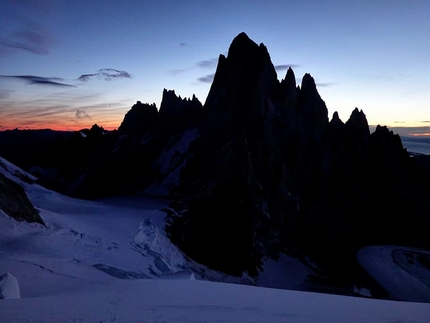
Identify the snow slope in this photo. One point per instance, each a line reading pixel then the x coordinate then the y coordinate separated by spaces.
pixel 110 261
pixel 403 272
pixel 201 301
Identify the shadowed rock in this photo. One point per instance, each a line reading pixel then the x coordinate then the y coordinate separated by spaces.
pixel 15 203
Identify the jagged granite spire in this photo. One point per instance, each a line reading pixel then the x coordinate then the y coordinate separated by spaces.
pixel 139 120
pixel 358 124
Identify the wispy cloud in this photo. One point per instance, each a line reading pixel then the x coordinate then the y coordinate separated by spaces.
pixel 209 63
pixel 80 114
pixel 206 79
pixel 34 39
pixel 24 26
pixel 183 44
pixel 284 67
pixel 177 71
pixel 325 84
pixel 39 80
pixel 107 74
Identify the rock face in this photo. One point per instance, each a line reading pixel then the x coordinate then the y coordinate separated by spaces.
pixel 9 287
pixel 270 173
pixel 15 203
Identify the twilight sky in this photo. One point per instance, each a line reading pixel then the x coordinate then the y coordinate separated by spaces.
pixel 69 64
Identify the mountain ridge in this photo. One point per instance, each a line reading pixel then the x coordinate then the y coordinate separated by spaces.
pixel 259 167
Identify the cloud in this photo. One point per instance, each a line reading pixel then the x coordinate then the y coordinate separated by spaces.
pixel 183 44
pixel 280 68
pixel 325 84
pixel 24 26
pixel 425 121
pixel 107 74
pixel 399 122
pixel 209 63
pixel 206 79
pixel 177 71
pixel 33 39
pixel 80 114
pixel 39 80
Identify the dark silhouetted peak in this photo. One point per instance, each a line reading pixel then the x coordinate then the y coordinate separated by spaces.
pixel 169 97
pixel 290 77
pixel 96 130
pixel 288 97
pixel 246 54
pixel 242 84
pixel 357 124
pixel 335 120
pixel 312 109
pixel 240 45
pixel 289 82
pixel 308 83
pixel 387 140
pixel 139 120
pixel 170 103
pixel 177 114
pixel 387 151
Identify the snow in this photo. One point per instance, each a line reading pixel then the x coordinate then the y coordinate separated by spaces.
pixel 285 273
pixel 170 163
pixel 9 287
pixel 389 266
pixel 201 301
pixel 110 261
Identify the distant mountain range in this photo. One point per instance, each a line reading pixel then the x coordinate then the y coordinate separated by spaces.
pixel 257 170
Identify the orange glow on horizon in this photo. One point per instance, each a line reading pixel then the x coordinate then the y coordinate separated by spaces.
pixel 423 134
pixel 56 127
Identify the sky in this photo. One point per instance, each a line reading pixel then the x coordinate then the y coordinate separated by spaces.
pixel 67 65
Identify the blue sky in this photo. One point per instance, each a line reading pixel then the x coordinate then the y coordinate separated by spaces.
pixel 367 54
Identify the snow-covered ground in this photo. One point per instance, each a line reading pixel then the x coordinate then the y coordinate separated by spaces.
pixel 403 272
pixel 110 261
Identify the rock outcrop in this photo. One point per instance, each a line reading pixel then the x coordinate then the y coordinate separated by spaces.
pixel 15 203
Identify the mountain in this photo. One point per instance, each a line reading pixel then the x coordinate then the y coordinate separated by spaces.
pixel 270 165
pixel 257 171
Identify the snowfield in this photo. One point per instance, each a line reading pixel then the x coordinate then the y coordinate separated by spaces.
pixel 110 261
pixel 403 272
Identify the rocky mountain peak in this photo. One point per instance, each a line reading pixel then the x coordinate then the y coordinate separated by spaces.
pixel 171 103
pixel 357 123
pixel 335 120
pixel 290 78
pixel 308 83
pixel 241 45
pixel 139 120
